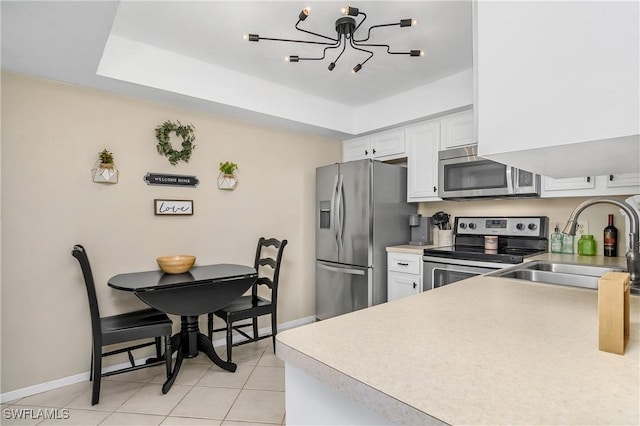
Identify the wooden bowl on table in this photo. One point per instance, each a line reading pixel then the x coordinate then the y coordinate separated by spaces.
pixel 177 264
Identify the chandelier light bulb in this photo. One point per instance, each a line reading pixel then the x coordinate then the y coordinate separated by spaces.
pixel 245 36
pixel 351 11
pixel 304 13
pixel 414 22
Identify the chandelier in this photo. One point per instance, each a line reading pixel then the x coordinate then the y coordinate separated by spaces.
pixel 346 28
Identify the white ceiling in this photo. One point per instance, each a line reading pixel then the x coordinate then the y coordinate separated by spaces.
pixel 192 54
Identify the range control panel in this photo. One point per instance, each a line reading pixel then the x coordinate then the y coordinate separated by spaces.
pixel 521 226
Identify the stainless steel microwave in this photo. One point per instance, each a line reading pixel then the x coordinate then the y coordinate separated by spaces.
pixel 462 174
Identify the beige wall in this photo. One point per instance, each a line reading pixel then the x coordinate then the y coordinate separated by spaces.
pixel 51 135
pixel 557 209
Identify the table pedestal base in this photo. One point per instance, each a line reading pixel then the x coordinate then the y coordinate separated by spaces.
pixel 188 343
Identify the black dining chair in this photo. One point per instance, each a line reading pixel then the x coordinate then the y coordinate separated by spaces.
pixel 136 325
pixel 253 306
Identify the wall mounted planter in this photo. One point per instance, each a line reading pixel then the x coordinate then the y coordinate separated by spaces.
pixel 227 182
pixel 105 173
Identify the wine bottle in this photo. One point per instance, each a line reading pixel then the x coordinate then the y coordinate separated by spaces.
pixel 610 239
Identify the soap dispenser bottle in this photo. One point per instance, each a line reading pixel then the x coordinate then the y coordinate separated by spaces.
pixel 556 240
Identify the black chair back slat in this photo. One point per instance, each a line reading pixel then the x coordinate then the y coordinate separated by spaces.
pixel 264 281
pixel 267 261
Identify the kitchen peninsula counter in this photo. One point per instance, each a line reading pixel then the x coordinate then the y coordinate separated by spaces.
pixel 485 350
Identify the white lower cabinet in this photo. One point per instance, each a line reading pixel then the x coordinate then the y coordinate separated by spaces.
pixel 589 186
pixel 404 275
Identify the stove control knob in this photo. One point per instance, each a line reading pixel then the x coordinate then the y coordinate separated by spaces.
pixel 520 227
pixel 472 226
pixel 463 225
pixel 533 226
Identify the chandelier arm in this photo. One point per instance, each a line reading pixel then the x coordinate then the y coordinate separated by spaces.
pixel 381 45
pixel 298 41
pixel 376 26
pixel 324 52
pixel 361 22
pixel 344 46
pixel 315 34
pixel 363 50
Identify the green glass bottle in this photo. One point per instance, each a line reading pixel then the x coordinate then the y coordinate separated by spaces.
pixel 587 245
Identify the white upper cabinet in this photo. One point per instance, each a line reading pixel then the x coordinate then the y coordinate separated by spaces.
pixel 389 145
pixel 356 149
pixel 557 87
pixel 423 141
pixel 457 130
pixel 589 186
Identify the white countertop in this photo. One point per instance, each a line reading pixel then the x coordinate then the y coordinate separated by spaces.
pixel 481 351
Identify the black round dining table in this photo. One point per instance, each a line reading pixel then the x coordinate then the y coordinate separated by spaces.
pixel 201 290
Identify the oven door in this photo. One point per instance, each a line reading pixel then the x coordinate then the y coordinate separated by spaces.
pixel 440 273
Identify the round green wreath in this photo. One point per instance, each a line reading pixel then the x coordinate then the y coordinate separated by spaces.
pixel 163 133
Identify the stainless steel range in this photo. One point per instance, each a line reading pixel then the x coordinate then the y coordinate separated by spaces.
pixel 518 237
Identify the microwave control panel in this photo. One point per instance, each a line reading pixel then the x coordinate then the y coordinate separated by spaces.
pixel 521 226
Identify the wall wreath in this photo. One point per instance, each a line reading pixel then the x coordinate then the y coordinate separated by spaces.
pixel 163 134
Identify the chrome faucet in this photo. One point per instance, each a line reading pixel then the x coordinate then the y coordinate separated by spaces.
pixel 633 254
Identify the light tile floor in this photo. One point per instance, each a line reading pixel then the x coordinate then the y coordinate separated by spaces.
pixel 203 394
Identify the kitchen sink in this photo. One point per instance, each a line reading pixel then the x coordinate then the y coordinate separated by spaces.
pixel 585 276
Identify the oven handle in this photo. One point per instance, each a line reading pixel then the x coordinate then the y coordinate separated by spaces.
pixel 463 262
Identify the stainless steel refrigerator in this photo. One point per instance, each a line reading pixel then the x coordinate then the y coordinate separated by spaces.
pixel 361 208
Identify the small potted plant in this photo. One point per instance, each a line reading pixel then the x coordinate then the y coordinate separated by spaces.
pixel 227 178
pixel 105 171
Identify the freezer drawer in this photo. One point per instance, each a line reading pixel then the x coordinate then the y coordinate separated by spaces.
pixel 341 289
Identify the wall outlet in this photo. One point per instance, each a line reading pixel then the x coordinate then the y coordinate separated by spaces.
pixel 582 229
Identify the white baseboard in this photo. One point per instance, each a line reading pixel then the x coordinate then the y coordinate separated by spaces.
pixel 77 378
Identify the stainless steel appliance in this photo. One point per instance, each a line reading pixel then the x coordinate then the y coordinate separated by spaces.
pixel 361 208
pixel 462 174
pixel 421 234
pixel 518 237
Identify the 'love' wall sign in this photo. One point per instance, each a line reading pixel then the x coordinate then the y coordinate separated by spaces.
pixel 173 207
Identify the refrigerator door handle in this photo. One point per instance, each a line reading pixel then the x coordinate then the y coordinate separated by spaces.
pixel 339 211
pixel 341 270
pixel 333 215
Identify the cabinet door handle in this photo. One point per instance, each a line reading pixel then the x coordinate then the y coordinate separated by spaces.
pixel 374 150
pixel 366 152
pixel 403 264
pixel 415 285
pixel 435 189
pixel 610 177
pixel 588 178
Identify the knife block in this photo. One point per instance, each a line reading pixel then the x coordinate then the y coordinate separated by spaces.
pixel 613 312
